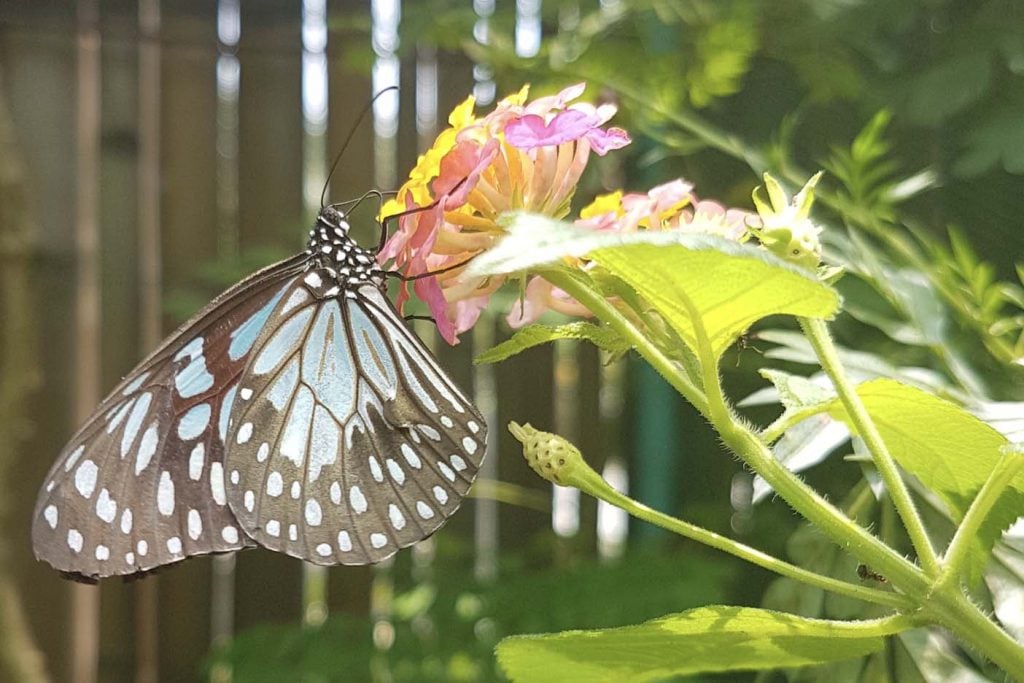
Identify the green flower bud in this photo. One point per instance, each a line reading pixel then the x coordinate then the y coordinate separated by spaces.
pixel 551 456
pixel 786 230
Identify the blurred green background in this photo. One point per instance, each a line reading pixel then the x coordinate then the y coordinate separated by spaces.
pixel 151 153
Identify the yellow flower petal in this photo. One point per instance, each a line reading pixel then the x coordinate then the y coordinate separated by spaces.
pixel 602 204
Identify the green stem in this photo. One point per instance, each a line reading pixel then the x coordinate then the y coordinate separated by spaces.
pixel 953 610
pixel 842 530
pixel 821 341
pixel 957 552
pixel 601 489
pixel 790 417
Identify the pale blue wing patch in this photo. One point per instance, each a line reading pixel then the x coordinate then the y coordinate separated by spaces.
pixel 353 443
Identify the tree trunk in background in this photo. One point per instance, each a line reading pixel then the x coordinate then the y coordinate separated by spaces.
pixel 20 660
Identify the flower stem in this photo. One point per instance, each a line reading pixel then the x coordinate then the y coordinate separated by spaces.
pixel 821 341
pixel 957 553
pixel 606 493
pixel 842 530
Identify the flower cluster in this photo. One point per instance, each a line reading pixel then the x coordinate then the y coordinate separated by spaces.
pixel 524 155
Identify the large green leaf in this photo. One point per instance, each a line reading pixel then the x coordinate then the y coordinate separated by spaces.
pixel 723 285
pixel 949 450
pixel 706 639
pixel 727 286
pixel 602 337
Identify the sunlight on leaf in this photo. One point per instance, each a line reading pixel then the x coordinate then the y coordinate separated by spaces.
pixel 706 639
pixel 602 337
pixel 951 451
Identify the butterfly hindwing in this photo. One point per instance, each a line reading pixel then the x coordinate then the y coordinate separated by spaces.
pixel 346 441
pixel 141 484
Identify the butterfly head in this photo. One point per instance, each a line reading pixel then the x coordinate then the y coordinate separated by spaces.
pixel 333 249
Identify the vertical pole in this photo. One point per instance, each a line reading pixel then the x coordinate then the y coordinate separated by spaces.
pixel 314 175
pixel 150 332
pixel 85 600
pixel 229 32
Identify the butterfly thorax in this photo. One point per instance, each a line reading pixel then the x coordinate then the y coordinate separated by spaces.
pixel 333 251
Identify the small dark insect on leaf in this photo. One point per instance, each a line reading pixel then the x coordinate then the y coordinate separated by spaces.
pixel 866 573
pixel 744 342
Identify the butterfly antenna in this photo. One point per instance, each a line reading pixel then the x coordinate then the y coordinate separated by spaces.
pixel 348 139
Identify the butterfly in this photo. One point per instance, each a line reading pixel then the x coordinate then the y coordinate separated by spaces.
pixel 295 412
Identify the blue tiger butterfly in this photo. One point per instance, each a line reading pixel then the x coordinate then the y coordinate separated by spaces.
pixel 296 412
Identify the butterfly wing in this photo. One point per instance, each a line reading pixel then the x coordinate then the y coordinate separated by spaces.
pixel 141 484
pixel 352 442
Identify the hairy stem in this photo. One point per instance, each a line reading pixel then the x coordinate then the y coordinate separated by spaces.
pixel 821 341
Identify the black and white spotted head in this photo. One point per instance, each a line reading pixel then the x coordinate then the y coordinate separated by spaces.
pixel 331 249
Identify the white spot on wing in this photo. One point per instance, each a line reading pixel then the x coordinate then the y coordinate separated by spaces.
pixel 293 532
pixel 174 545
pixel 336 493
pixel 313 513
pixel 263 452
pixel 296 431
pixel 275 484
pixel 429 432
pixel 195 524
pixel 457 462
pixel 314 280
pixel 135 383
pixel 473 426
pixel 298 297
pixel 106 507
pixel 50 515
pixel 165 494
pixel 344 541
pixel 440 494
pixel 446 471
pixel 375 470
pixel 378 540
pixel 296 489
pixel 142 548
pixel 85 478
pixel 131 427
pixel 75 540
pixel 273 528
pixel 396 517
pixel 126 521
pixel 469 445
pixel 217 483
pixel 323 550
pixel 73 457
pixel 244 433
pixel 249 499
pixel 410 456
pixel 195 461
pixel 229 534
pixel 424 510
pixel 396 471
pixel 147 447
pixel 102 553
pixel 357 500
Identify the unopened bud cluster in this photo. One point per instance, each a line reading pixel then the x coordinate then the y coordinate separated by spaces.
pixel 550 455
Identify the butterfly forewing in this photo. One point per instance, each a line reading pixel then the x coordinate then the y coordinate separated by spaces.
pixel 142 483
pixel 346 441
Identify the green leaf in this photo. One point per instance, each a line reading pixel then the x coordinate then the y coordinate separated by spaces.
pixel 949 450
pixel 727 285
pixel 720 285
pixel 706 639
pixel 795 391
pixel 602 337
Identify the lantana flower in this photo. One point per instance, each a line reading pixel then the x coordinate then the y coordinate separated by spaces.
pixel 523 155
pixel 671 206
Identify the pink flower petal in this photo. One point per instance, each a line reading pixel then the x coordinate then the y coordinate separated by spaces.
pixel 603 141
pixel 532 131
pixel 460 170
pixel 428 290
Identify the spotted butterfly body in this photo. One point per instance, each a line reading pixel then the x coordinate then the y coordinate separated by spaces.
pixel 295 412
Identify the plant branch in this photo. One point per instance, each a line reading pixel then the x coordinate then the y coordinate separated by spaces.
pixel 821 341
